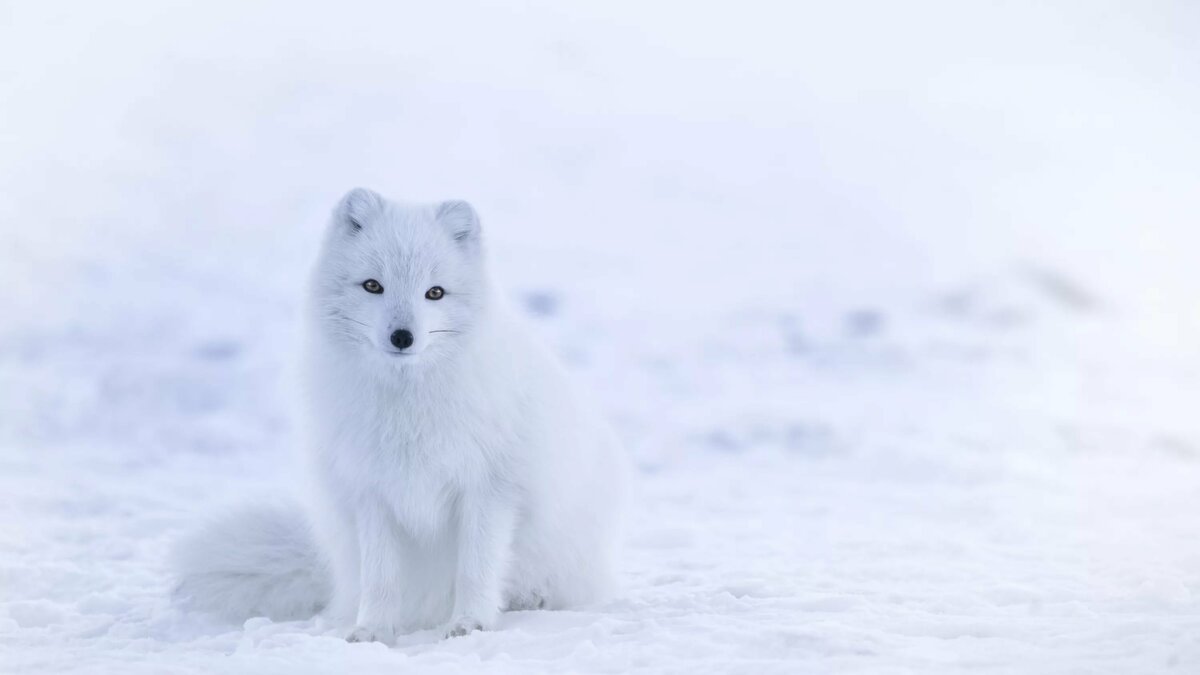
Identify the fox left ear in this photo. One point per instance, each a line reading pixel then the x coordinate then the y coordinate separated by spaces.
pixel 460 219
pixel 356 208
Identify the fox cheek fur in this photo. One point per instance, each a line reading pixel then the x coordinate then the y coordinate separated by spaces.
pixel 454 472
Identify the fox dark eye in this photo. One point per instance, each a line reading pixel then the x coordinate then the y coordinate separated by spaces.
pixel 372 286
pixel 435 293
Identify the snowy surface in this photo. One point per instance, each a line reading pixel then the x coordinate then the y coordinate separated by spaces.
pixel 895 309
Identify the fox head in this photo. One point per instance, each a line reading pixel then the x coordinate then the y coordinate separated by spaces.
pixel 402 282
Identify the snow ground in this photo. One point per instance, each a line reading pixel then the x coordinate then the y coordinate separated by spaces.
pixel 895 309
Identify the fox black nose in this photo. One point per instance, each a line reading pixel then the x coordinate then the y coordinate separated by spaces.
pixel 402 339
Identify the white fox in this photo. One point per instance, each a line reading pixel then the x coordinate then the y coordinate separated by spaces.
pixel 454 472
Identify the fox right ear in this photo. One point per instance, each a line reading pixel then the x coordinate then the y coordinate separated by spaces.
pixel 460 219
pixel 356 208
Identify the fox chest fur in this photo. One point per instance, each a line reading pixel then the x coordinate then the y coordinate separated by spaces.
pixel 416 445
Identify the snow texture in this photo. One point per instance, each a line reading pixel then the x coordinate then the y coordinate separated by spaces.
pixel 893 304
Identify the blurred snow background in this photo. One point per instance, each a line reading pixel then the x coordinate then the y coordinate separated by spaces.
pixel 894 304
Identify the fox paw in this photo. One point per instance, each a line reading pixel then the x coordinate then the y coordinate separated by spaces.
pixel 526 602
pixel 363 634
pixel 463 626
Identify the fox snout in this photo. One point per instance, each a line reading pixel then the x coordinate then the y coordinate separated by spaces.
pixel 402 338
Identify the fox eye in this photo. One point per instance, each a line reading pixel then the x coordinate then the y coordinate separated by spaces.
pixel 372 286
pixel 435 293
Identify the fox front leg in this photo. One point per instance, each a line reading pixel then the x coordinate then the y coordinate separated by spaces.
pixel 485 537
pixel 379 576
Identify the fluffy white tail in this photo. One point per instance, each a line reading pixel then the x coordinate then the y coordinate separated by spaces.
pixel 257 561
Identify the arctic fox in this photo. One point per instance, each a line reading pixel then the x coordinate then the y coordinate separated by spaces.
pixel 454 474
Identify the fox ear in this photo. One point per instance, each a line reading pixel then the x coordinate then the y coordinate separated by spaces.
pixel 460 219
pixel 356 208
